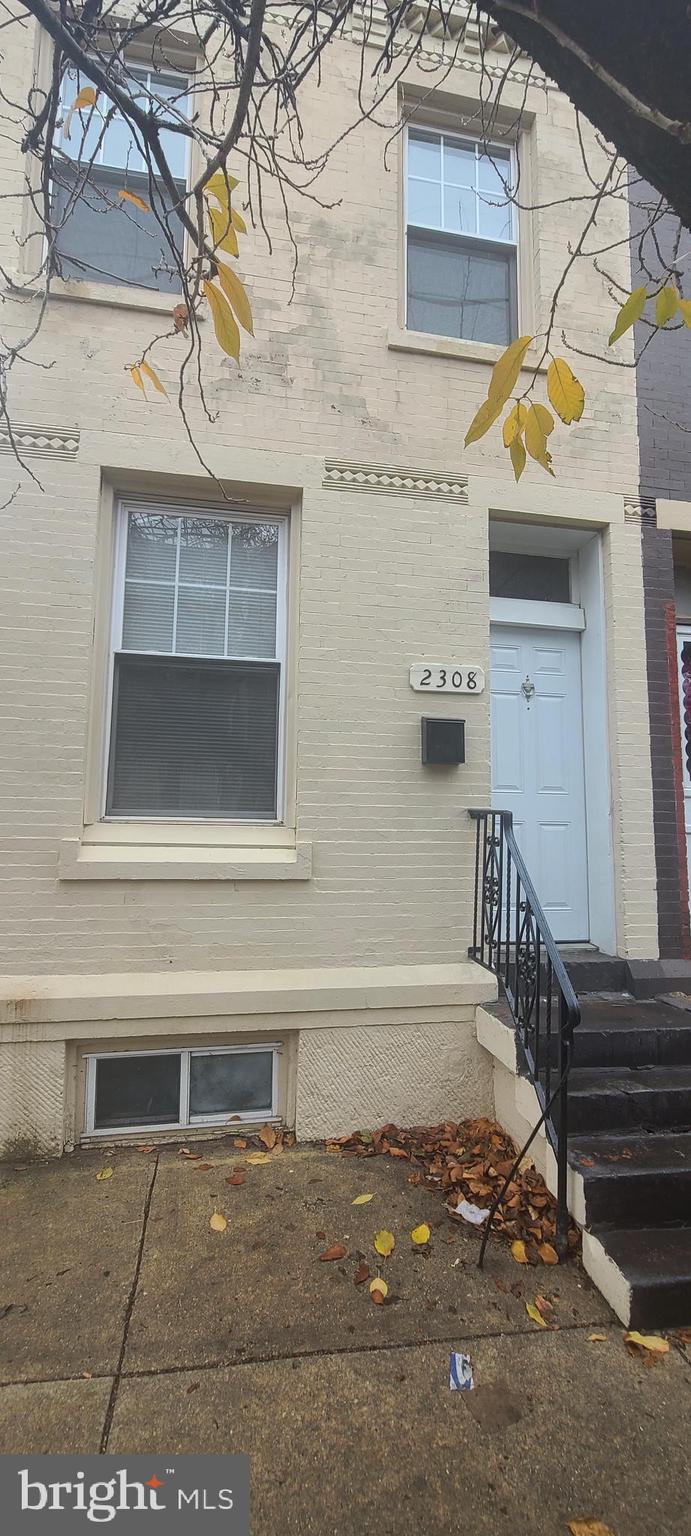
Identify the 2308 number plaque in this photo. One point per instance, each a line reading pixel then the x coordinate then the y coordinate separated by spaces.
pixel 446 677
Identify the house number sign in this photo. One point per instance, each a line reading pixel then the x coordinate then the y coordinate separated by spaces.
pixel 446 677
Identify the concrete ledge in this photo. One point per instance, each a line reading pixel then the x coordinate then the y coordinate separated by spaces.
pixel 117 861
pixel 124 996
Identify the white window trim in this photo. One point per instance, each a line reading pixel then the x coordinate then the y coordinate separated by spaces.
pixel 512 245
pixel 185 1121
pixel 232 513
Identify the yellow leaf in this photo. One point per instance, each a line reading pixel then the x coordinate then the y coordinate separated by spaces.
pixel 666 304
pixel 506 371
pixel 220 186
pixel 227 333
pixel 518 456
pixel 565 392
pixel 384 1243
pixel 519 1252
pixel 535 439
pixel 136 375
pixel 224 236
pixel 421 1234
pixel 589 1528
pixel 238 221
pixel 217 1222
pixel 597 1338
pixel 631 311
pixel 548 1254
pixel 104 1173
pixel 544 418
pixel 86 98
pixel 684 307
pixel 150 373
pixel 131 197
pixel 236 295
pixel 482 421
pixel 258 1157
pixel 650 1341
pixel 534 1314
pixel 514 424
pixel 362 1199
pixel 378 1290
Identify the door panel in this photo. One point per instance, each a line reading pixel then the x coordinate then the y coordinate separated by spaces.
pixel 537 765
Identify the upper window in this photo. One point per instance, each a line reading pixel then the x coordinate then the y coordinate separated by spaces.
pixel 461 239
pixel 198 664
pixel 538 578
pixel 107 238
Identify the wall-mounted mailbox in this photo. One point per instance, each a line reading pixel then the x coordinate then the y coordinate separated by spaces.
pixel 443 741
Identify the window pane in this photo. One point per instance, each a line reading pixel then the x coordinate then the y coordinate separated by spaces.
pixel 455 289
pixel 540 578
pixel 460 210
pixel 232 1084
pixel 204 550
pixel 459 163
pixel 424 203
pixel 424 155
pixel 147 621
pixel 251 624
pixel 137 1090
pixel 495 222
pixel 151 546
pixel 494 172
pixel 201 622
pixel 254 555
pixel 194 738
pixel 104 239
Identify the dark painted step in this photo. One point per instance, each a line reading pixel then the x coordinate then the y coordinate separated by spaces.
pixel 590 970
pixel 603 1099
pixel 626 1033
pixel 634 1180
pixel 656 1263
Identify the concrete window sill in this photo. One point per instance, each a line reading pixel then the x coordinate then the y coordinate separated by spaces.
pixel 137 861
pixel 399 340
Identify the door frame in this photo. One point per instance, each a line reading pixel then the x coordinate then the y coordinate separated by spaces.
pixel 683 635
pixel 588 616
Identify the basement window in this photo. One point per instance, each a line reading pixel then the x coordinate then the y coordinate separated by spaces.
pixel 168 1090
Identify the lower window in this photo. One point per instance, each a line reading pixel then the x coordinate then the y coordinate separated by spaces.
pixel 163 1090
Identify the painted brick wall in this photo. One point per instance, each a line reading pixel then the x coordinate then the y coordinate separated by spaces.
pixel 383 580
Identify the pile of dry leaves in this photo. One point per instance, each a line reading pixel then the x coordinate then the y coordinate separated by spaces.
pixel 469 1161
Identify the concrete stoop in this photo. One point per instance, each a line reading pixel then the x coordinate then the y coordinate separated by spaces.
pixel 629 1177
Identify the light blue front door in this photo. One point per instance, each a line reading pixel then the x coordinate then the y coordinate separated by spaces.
pixel 537 765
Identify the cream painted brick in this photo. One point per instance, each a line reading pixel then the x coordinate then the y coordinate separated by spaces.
pixel 32 1097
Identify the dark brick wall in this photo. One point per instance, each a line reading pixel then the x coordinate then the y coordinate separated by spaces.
pixel 663 378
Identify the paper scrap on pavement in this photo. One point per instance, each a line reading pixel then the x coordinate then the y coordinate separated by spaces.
pixel 460 1372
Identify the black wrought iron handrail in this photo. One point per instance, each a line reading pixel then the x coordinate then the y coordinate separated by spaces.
pixel 512 938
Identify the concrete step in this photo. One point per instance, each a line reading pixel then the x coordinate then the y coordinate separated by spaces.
pixel 604 1099
pixel 625 1033
pixel 643 1272
pixel 633 1180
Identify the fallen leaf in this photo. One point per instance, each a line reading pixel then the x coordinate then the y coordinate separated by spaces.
pixel 378 1290
pixel 597 1338
pixel 683 1335
pixel 194 1387
pixel 421 1234
pixel 548 1254
pixel 546 1311
pixel 384 1243
pixel 236 1179
pixel 239 1141
pixel 361 1273
pixel 268 1135
pixel 217 1222
pixel 146 1149
pixel 534 1314
pixel 589 1528
pixel 649 1341
pixel 204 1167
pixel 258 1157
pixel 518 1250
pixel 362 1199
pixel 104 1173
pixel 336 1251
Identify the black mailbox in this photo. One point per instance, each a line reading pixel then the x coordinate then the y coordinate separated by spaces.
pixel 443 741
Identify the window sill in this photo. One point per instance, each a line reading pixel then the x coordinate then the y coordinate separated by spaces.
pixel 109 294
pixel 84 860
pixel 447 346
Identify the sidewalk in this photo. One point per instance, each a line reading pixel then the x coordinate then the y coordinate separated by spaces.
pixel 126 1324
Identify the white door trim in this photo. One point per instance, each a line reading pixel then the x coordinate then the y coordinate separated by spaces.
pixel 535 615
